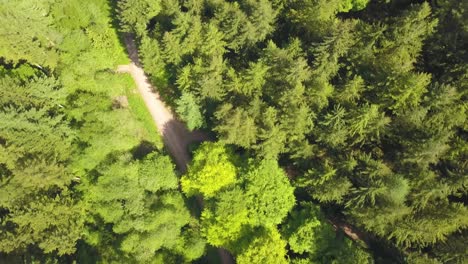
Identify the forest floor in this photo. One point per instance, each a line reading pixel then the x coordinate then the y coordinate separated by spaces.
pixel 175 135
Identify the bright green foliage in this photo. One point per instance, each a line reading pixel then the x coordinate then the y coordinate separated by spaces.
pixel 355 5
pixel 261 199
pixel 267 247
pixel 310 235
pixel 224 219
pixel 147 217
pixel 189 111
pixel 211 170
pixel 264 201
pixel 269 194
pixel 306 231
pixel 28 32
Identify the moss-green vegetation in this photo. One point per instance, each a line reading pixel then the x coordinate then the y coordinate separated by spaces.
pixel 140 112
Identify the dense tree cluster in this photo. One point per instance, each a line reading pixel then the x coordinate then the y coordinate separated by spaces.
pixel 323 110
pixel 80 178
pixel 257 200
pixel 147 212
pixel 243 215
pixel 365 99
pixel 36 147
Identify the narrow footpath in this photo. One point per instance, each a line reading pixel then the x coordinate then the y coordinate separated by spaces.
pixel 175 135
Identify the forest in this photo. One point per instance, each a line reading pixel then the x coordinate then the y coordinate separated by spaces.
pixel 337 132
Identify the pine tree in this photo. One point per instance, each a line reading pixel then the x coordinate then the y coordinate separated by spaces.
pixel 236 126
pixel 189 110
pixel 262 16
pixel 28 32
pixel 271 136
pixel 135 15
pixel 35 153
pixel 324 183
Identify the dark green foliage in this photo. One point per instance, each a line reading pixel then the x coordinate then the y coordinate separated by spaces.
pixel 363 101
pixel 35 151
pixel 238 127
pixel 70 186
pixel 266 247
pixel 367 108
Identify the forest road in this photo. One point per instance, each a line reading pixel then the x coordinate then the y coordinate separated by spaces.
pixel 175 134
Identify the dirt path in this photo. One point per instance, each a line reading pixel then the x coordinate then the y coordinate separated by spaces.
pixel 175 135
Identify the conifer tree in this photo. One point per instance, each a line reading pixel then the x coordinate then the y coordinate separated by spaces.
pixel 28 32
pixel 36 149
pixel 189 111
pixel 135 15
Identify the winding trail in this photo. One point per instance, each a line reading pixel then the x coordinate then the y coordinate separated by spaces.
pixel 175 135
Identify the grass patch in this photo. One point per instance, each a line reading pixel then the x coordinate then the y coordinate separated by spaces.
pixel 140 112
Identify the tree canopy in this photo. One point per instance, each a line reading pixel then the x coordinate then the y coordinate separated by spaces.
pixel 362 101
pixel 323 116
